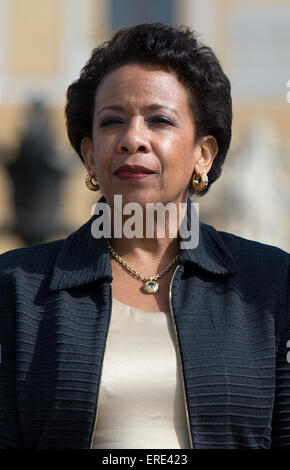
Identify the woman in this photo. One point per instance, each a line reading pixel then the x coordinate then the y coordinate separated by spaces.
pixel 121 342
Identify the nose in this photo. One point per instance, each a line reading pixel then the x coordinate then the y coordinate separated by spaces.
pixel 134 139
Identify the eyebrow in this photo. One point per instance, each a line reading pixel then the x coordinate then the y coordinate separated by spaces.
pixel 151 107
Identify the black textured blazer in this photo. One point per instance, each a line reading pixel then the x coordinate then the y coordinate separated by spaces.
pixel 231 310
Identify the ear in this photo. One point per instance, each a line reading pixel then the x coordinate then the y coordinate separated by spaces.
pixel 208 148
pixel 87 151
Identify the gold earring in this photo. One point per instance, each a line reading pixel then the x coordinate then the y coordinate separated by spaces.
pixel 90 183
pixel 199 183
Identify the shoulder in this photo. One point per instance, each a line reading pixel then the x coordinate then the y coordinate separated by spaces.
pixel 22 272
pixel 259 266
pixel 38 257
pixel 266 268
pixel 263 272
pixel 251 254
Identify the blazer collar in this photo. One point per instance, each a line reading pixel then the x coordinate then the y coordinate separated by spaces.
pixel 211 253
pixel 83 259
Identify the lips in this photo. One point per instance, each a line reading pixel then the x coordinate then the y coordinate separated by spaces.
pixel 133 171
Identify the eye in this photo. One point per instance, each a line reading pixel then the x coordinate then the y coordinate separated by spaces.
pixel 110 121
pixel 162 120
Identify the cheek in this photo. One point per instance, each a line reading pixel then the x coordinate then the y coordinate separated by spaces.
pixel 102 155
pixel 181 157
pixel 169 148
pixel 187 153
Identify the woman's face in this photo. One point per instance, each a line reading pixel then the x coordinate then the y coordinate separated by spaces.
pixel 143 145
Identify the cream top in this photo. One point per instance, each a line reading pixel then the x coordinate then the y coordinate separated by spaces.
pixel 141 400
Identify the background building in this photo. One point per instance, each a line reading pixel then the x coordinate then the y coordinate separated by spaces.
pixel 44 44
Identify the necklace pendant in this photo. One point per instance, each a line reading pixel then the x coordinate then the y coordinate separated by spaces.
pixel 151 287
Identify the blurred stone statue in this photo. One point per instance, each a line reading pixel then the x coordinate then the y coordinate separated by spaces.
pixel 37 174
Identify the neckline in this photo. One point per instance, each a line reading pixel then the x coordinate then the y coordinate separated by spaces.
pixel 135 308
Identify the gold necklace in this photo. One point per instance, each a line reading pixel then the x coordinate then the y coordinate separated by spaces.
pixel 150 285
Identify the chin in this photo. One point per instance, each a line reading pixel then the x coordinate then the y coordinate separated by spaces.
pixel 141 197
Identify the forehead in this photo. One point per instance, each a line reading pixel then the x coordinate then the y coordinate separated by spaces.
pixel 141 84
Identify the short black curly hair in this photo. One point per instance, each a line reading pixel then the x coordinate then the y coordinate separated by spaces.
pixel 173 49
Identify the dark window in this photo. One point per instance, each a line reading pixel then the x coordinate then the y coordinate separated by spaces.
pixel 130 12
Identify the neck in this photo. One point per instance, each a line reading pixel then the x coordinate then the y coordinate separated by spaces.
pixel 153 233
pixel 154 248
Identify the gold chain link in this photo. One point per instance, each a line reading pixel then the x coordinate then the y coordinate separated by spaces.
pixel 135 273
